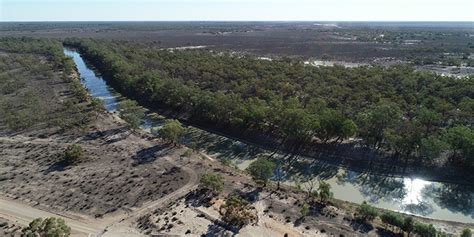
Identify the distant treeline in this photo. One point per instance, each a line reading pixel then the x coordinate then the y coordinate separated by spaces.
pixel 411 114
pixel 23 104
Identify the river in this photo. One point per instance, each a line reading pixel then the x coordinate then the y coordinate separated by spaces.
pixel 437 200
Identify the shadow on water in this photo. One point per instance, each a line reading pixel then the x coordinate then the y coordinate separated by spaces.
pixel 405 194
pixel 374 187
pixel 425 198
pixel 455 198
pixel 221 147
pixel 313 169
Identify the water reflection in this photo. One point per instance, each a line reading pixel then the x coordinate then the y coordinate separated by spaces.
pixel 410 195
pixel 413 188
pixel 414 196
pixel 417 196
pixel 453 197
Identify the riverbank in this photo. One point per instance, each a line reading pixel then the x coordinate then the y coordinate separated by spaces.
pixel 362 185
pixel 126 175
pixel 214 111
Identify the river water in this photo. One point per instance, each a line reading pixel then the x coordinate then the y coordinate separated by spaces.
pixel 435 200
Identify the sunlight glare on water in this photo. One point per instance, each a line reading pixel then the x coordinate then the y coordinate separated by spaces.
pixel 413 189
pixel 414 196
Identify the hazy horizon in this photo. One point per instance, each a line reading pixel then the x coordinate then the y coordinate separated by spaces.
pixel 237 10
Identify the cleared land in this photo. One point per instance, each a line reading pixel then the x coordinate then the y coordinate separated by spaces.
pixel 130 183
pixel 123 169
pixel 423 43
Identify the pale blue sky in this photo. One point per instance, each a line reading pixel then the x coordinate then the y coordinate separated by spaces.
pixel 237 10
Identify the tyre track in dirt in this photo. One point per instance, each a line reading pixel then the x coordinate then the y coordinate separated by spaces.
pixel 114 225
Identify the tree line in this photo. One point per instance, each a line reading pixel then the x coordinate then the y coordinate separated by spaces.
pixel 22 104
pixel 408 113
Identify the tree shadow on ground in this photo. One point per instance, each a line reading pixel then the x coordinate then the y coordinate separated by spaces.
pixel 109 136
pixel 361 227
pixel 198 198
pixel 315 213
pixel 215 229
pixel 57 167
pixel 388 233
pixel 148 155
pixel 249 196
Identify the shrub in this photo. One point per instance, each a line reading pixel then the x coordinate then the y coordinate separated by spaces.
pixel 408 224
pixel 424 230
pixel 226 161
pixel 237 212
pixel 73 154
pixel 48 227
pixel 97 106
pixel 187 153
pixel 304 210
pixel 367 212
pixel 466 233
pixel 213 183
pixel 324 191
pixel 392 218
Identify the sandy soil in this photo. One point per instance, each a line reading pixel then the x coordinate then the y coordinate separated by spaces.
pixel 133 185
pixel 124 172
pixel 278 211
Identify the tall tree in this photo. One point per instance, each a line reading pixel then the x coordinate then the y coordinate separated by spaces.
pixel 324 190
pixel 131 112
pixel 171 131
pixel 461 140
pixel 261 170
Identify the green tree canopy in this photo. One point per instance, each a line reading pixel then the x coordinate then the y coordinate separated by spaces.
pixel 304 211
pixel 393 107
pixel 408 224
pixel 466 233
pixel 237 212
pixel 324 190
pixel 424 230
pixel 131 112
pixel 73 154
pixel 392 218
pixel 431 147
pixel 172 130
pixel 212 182
pixel 461 140
pixel 367 212
pixel 375 119
pixel 49 227
pixel 261 170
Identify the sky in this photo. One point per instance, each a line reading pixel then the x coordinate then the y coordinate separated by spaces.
pixel 236 10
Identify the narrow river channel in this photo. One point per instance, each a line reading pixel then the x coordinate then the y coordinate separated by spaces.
pixel 437 200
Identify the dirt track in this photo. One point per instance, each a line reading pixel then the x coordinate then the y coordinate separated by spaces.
pixel 115 225
pixel 23 214
pixel 124 174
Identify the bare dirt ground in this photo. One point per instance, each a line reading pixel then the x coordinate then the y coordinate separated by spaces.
pixel 133 185
pixel 124 173
pixel 278 211
pixel 346 41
